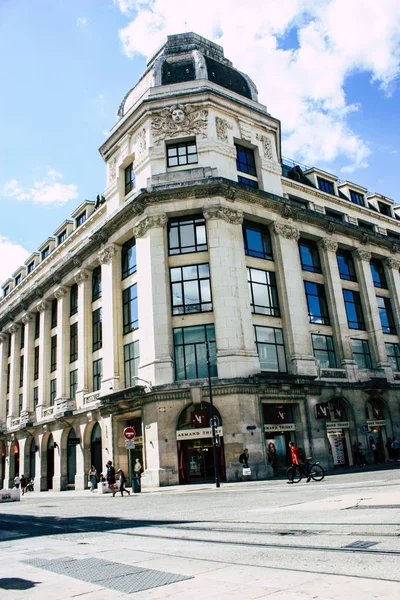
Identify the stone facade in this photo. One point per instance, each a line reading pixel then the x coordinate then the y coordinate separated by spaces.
pixel 100 333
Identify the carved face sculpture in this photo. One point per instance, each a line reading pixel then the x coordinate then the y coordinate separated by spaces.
pixel 177 115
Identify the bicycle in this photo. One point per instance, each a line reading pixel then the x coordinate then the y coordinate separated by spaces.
pixel 313 470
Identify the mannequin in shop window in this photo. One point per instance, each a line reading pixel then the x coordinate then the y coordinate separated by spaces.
pixel 272 457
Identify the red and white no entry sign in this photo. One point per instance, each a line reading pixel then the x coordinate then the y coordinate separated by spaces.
pixel 129 433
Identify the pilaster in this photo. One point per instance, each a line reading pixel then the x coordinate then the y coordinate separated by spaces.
pixel 62 342
pixel 392 266
pixel 3 376
pixel 44 355
pixel 84 335
pixel 14 373
pixel 27 403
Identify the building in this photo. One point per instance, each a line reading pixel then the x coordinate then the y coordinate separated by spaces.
pixel 204 234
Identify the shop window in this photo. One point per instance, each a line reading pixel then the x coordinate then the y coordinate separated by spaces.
pixel 316 303
pixel 324 351
pixel 131 362
pixel 73 383
pixel 97 374
pixel 187 234
pixel 53 391
pixel 263 292
pixel 130 179
pixel 190 352
pixel 378 273
pixel 36 363
pixel 54 309
pixel 354 312
pixel 386 315
pixel 97 330
pixel 309 256
pixel 346 265
pixel 361 353
pixel 73 300
pixel 190 289
pixel 184 153
pixel 245 163
pixel 326 186
pixel 393 354
pixel 257 240
pixel 270 348
pixel 96 283
pixel 73 342
pixel 53 353
pixel 130 309
pixel 128 258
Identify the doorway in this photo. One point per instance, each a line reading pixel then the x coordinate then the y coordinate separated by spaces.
pixel 50 462
pixel 71 458
pixel 95 448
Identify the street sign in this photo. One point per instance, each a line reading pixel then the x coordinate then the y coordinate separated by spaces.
pixel 129 433
pixel 129 444
pixel 365 428
pixel 216 440
pixel 216 422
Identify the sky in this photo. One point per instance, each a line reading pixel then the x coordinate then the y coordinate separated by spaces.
pixel 328 69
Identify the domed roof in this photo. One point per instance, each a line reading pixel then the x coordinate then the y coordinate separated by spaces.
pixel 187 57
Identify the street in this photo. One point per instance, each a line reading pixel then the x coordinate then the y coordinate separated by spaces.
pixel 329 539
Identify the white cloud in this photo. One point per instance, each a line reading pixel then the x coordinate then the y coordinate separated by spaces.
pixel 12 256
pixel 81 22
pixel 304 87
pixel 45 191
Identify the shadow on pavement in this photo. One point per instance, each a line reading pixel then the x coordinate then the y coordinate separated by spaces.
pixel 15 583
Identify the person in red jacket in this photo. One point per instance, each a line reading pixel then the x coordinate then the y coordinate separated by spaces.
pixel 295 454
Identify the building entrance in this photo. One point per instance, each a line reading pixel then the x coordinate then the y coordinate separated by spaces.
pixel 95 448
pixel 50 462
pixel 32 459
pixel 71 458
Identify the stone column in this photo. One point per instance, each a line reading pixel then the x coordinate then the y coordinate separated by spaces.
pixel 44 355
pixel 41 464
pixel 3 376
pixel 154 311
pixel 60 462
pixel 84 333
pixel 110 260
pixel 23 459
pixel 392 266
pixel 62 342
pixel 292 299
pixel 235 338
pixel 81 476
pixel 27 390
pixel 370 309
pixel 14 373
pixel 8 478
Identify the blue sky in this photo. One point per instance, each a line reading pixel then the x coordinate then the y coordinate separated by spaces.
pixel 329 75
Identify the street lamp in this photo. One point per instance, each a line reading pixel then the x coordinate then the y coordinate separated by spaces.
pixel 215 437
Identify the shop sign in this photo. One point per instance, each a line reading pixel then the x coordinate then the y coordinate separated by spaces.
pixel 284 427
pixel 281 415
pixel 130 444
pixel 198 418
pixel 338 412
pixel 138 440
pixel 74 441
pixel 322 410
pixel 190 434
pixel 373 423
pixel 338 425
pixel 376 411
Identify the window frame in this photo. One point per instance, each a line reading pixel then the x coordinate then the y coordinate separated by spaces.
pixel 324 185
pixel 21 370
pixel 73 300
pixel 45 253
pixel 348 261
pixel 53 391
pixel 193 349
pixel 73 383
pixel 73 342
pixel 97 329
pixel 54 313
pixel 358 309
pixel 36 363
pixel 30 267
pixel 96 283
pixel 35 396
pixel 323 317
pixel 357 198
pixel 329 351
pixel 97 374
pixel 395 356
pixel 312 249
pixel 53 353
pixel 129 179
pixel 131 362
pixel 189 308
pixel 37 325
pixel 197 222
pixel 366 354
pixel 62 237
pixel 128 301
pixel 126 268
pixel 280 360
pixel 388 325
pixel 182 155
pixel 272 309
pixel 80 219
pixel 265 239
pixel 22 336
pixel 378 274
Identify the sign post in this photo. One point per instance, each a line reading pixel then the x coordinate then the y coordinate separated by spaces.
pixel 213 420
pixel 129 435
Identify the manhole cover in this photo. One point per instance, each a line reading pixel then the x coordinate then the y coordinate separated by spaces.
pixel 361 544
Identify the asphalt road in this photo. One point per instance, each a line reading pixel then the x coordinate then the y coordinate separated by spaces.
pixel 311 540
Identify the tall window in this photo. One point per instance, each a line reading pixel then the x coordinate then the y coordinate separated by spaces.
pixel 53 391
pixel 346 265
pixel 378 273
pixel 128 258
pixel 354 312
pixel 270 348
pixel 326 186
pixel 36 363
pixel 31 266
pixel 191 290
pixel 80 219
pixel 96 283
pixel 73 299
pixel 9 346
pixel 53 353
pixel 73 342
pixel 73 383
pixel 245 163
pixel 54 309
pixel 97 374
pixel 316 302
pixel 22 336
pixel 17 280
pixel 131 362
pixel 21 371
pixel 97 329
pixel 45 252
pixel 8 378
pixel 130 179
pixel 187 234
pixel 184 153
pixel 257 240
pixel 361 353
pixel 386 315
pixel 35 396
pixel 190 352
pixel 62 237
pixel 357 198
pixel 263 292
pixel 37 325
pixel 323 350
pixel 20 404
pixel 309 256
pixel 130 309
pixel 393 354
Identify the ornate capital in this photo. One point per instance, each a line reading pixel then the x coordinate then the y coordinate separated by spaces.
pixel 179 120
pixel 112 168
pixel 235 217
pixel 328 244
pixel 362 254
pixel 13 328
pixel 266 144
pixel 43 306
pixel 105 255
pixel 222 126
pixel 392 263
pixel 81 276
pixel 3 337
pixel 286 231
pixel 27 318
pixel 60 292
pixel 72 258
pixel 147 223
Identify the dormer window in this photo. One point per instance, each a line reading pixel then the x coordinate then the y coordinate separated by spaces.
pixel 130 179
pixel 384 209
pixel 357 198
pixel 31 266
pixel 81 218
pixel 62 237
pixel 6 290
pixel 184 153
pixel 326 186
pixel 17 280
pixel 45 252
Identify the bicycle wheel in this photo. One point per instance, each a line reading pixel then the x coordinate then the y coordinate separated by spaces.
pixel 317 472
pixel 294 474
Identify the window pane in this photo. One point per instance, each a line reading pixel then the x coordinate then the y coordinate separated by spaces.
pixel 194 334
pixel 205 290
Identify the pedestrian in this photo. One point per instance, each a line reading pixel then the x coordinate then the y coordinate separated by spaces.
pixel 17 481
pixel 23 484
pixel 30 485
pixel 244 459
pixel 362 454
pixel 380 451
pixel 122 482
pixel 272 457
pixel 92 478
pixel 296 461
pixel 395 449
pixel 372 447
pixel 111 476
pixel 389 449
pixel 357 453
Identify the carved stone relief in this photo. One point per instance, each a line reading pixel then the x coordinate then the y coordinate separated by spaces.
pixel 329 244
pixel 179 119
pixel 266 144
pixel 235 217
pixel 286 231
pixel 147 223
pixel 392 263
pixel 43 306
pixel 60 292
pixel 141 141
pixel 113 168
pixel 245 130
pixel 27 318
pixel 81 276
pixel 363 254
pixel 13 328
pixel 106 254
pixel 222 126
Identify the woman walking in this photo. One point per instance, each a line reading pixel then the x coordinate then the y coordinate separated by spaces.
pixel 93 478
pixel 122 482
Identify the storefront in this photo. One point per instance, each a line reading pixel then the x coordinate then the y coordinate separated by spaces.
pixel 376 440
pixel 280 429
pixel 338 433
